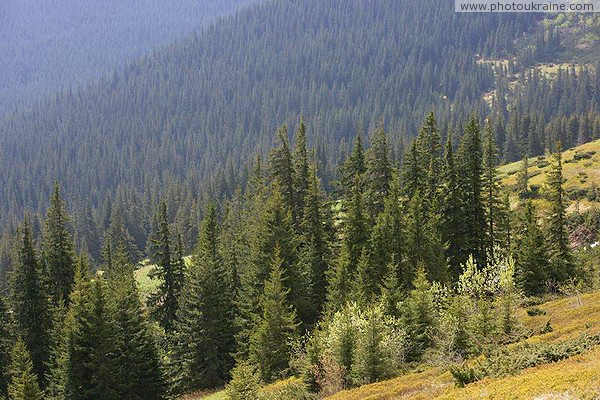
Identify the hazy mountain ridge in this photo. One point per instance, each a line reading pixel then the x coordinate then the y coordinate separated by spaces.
pixel 51 44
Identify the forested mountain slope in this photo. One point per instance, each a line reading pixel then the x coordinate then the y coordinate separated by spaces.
pixel 184 123
pixel 49 44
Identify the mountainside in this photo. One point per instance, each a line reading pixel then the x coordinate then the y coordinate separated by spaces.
pixel 581 172
pixel 184 123
pixel 50 44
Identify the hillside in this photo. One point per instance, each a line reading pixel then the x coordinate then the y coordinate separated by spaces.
pixel 189 119
pixel 581 171
pixel 47 44
pixel 575 377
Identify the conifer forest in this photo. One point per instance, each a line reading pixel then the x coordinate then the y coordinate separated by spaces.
pixel 298 199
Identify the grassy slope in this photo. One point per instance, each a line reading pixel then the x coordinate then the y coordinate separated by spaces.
pixel 579 174
pixel 147 285
pixel 576 376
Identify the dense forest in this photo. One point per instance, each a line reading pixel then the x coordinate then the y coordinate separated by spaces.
pixel 48 45
pixel 183 124
pixel 314 186
pixel 396 266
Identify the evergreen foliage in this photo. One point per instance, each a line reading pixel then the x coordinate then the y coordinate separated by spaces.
pixel 24 383
pixel 58 255
pixel 204 329
pixel 169 272
pixel 30 302
pixel 561 258
pixel 271 340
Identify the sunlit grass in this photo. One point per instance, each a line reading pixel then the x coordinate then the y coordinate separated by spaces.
pixel 576 377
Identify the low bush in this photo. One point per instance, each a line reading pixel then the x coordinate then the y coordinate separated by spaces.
pixel 507 361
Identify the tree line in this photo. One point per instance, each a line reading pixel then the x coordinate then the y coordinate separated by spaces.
pixel 342 287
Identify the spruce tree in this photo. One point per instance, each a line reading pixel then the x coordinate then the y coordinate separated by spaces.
pixel 244 383
pixel 56 376
pixel 353 166
pixel 271 340
pixel 424 243
pixel 452 212
pixel 301 172
pixel 339 281
pixel 491 193
pixel 355 226
pixel 30 302
pixel 314 251
pixel 412 172
pixel 471 174
pixel 371 363
pixel 282 170
pixel 164 302
pixel 58 254
pixel 429 149
pixel 5 347
pixel 387 240
pixel 136 353
pixel 561 258
pixel 365 286
pixel 24 382
pixel 418 316
pixel 88 362
pixel 205 331
pixel 523 179
pixel 391 291
pixel 270 229
pixel 378 175
pixel 531 254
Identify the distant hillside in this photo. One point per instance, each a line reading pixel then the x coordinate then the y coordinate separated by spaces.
pixel 49 44
pixel 581 171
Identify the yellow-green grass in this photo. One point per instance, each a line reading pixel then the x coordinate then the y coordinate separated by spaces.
pixel 266 390
pixel 146 284
pixel 579 174
pixel 577 377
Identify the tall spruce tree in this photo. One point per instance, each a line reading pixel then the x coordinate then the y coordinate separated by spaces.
pixel 205 331
pixel 452 212
pixel 491 193
pixel 356 227
pixel 301 172
pixel 424 244
pixel 354 165
pixel 136 353
pixel 58 254
pixel 339 281
pixel 523 179
pixel 561 257
pixel 418 316
pixel 164 302
pixel 271 340
pixel 412 171
pixel 88 362
pixel 281 167
pixel 471 173
pixel 30 302
pixel 430 151
pixel 387 239
pixel 5 347
pixel 531 253
pixel 378 174
pixel 314 251
pixel 24 383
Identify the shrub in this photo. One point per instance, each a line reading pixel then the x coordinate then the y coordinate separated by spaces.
pixel 533 312
pixel 507 361
pixel 244 383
